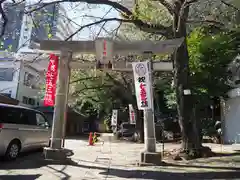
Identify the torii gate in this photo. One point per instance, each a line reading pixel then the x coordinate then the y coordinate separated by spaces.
pixel 102 47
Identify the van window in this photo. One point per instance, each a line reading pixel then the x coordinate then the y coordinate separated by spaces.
pixel 9 115
pixel 40 120
pixel 27 117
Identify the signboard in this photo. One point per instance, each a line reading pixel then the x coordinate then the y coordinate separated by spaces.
pixel 142 84
pixel 114 117
pixel 51 81
pixel 104 50
pixel 132 115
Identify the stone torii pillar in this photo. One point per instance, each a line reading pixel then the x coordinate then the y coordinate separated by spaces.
pixel 105 49
pixel 55 151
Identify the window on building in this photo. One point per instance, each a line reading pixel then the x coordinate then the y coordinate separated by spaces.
pixel 6 74
pixel 31 101
pixel 28 79
pixel 6 94
pixel 25 100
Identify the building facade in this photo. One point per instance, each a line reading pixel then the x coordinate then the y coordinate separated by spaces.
pixel 10 40
pixel 22 69
pixel 22 82
pixel 50 22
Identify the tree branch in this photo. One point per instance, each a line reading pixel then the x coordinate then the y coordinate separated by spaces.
pixel 206 21
pixel 101 28
pixel 89 88
pixel 183 11
pixel 84 79
pixel 165 31
pixel 167 5
pixel 230 5
pixel 144 26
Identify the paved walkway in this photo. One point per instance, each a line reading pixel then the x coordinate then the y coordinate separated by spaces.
pixel 115 161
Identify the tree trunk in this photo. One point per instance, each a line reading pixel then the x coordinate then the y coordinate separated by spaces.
pixel 139 120
pixel 139 125
pixel 181 78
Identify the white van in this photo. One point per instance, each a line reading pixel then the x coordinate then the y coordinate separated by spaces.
pixel 22 129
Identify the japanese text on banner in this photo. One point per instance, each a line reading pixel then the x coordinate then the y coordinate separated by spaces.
pixel 51 81
pixel 142 84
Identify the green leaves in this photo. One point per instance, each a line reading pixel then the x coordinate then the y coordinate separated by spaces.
pixel 98 92
pixel 209 58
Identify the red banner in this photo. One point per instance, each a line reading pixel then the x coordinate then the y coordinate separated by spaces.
pixel 51 81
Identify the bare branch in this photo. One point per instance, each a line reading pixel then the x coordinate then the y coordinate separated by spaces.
pixel 167 5
pixel 183 11
pixel 144 26
pixel 163 31
pixel 230 5
pixel 117 29
pixel 206 21
pixel 17 3
pixel 113 33
pixel 89 88
pixel 43 5
pixel 84 79
pixel 191 1
pixel 101 28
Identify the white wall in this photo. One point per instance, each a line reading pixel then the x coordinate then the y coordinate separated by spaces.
pixel 231 125
pixel 28 91
pixel 10 86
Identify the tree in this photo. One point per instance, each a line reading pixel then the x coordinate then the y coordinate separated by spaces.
pixel 99 92
pixel 210 57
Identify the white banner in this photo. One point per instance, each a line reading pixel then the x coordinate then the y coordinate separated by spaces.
pixel 114 117
pixel 142 84
pixel 132 115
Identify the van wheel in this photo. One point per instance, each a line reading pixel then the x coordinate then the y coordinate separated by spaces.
pixel 13 150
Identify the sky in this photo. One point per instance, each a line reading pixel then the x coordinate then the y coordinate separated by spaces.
pixel 78 12
pixel 82 14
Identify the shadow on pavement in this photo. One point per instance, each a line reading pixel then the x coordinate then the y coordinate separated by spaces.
pixel 19 177
pixel 156 175
pixel 36 161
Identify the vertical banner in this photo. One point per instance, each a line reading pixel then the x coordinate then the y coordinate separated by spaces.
pixel 114 117
pixel 132 115
pixel 142 84
pixel 51 80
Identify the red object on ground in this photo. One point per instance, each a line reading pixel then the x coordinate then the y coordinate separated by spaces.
pixel 90 140
pixel 51 81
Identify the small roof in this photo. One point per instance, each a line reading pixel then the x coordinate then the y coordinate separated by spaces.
pixel 8 100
